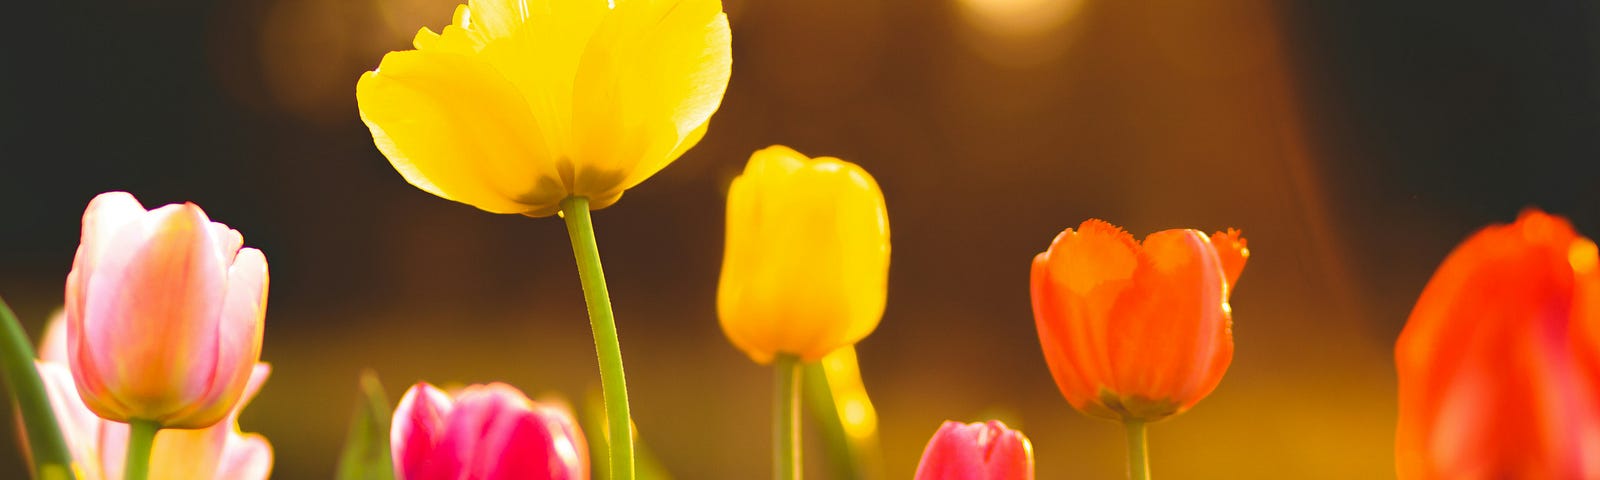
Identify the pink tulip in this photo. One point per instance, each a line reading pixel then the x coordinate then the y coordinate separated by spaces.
pixel 164 313
pixel 219 452
pixel 486 432
pixel 977 451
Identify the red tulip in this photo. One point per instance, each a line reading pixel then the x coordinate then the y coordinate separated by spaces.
pixel 486 432
pixel 164 313
pixel 1495 364
pixel 1136 331
pixel 977 451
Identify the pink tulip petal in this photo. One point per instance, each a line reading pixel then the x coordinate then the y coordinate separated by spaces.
pixel 106 215
pixel 153 305
pixel 247 457
pixel 417 428
pixel 978 451
pixel 53 345
pixel 80 428
pixel 238 340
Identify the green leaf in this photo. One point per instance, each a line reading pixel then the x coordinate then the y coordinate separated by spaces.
pixel 51 459
pixel 366 448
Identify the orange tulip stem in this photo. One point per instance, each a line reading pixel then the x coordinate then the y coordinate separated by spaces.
pixel 45 444
pixel 141 436
pixel 1138 451
pixel 786 418
pixel 613 385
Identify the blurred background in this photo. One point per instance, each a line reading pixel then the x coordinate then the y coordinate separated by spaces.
pixel 1353 142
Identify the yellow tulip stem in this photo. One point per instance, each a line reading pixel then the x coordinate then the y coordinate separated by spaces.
pixel 786 418
pixel 613 385
pixel 141 436
pixel 48 449
pixel 1138 451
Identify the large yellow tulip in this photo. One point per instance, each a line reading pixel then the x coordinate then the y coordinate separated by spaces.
pixel 806 265
pixel 519 104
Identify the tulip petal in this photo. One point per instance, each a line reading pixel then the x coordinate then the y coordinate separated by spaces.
pixel 106 214
pixel 246 457
pixel 795 221
pixel 651 76
pixel 1489 378
pixel 155 306
pixel 53 344
pixel 1169 327
pixel 417 429
pixel 978 451
pixel 80 428
pixel 455 127
pixel 1232 251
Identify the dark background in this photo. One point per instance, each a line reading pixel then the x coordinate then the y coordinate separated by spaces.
pixel 1354 142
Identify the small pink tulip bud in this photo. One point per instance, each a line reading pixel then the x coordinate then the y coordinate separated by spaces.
pixel 977 451
pixel 164 313
pixel 486 432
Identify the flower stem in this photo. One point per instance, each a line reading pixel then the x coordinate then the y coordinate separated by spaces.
pixel 613 385
pixel 49 450
pixel 141 436
pixel 1138 451
pixel 786 418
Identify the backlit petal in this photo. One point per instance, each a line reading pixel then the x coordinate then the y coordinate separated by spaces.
pixel 455 127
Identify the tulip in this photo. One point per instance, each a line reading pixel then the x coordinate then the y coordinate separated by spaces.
pixel 518 105
pixel 1136 331
pixel 164 313
pixel 1492 361
pixel 977 451
pixel 484 432
pixel 219 452
pixel 806 264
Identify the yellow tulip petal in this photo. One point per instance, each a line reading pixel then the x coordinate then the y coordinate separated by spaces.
pixel 454 127
pixel 806 264
pixel 542 61
pixel 649 81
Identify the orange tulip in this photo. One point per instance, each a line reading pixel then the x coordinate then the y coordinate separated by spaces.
pixel 1131 331
pixel 1495 366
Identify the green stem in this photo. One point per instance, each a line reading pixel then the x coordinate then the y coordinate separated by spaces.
pixel 842 455
pixel 141 436
pixel 613 385
pixel 786 419
pixel 49 450
pixel 1138 451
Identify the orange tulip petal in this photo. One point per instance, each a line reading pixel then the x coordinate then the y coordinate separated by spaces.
pixel 1232 250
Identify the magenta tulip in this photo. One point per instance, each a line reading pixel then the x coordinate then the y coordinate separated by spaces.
pixel 977 451
pixel 164 313
pixel 485 432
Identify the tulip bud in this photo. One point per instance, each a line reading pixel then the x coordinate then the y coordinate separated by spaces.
pixel 164 313
pixel 99 446
pixel 486 432
pixel 1136 331
pixel 1491 363
pixel 806 265
pixel 977 451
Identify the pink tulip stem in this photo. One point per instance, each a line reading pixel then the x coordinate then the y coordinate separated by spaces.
pixel 1138 451
pixel 613 385
pixel 786 418
pixel 141 436
pixel 48 449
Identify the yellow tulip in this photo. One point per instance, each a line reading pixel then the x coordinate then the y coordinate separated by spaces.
pixel 519 104
pixel 806 265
